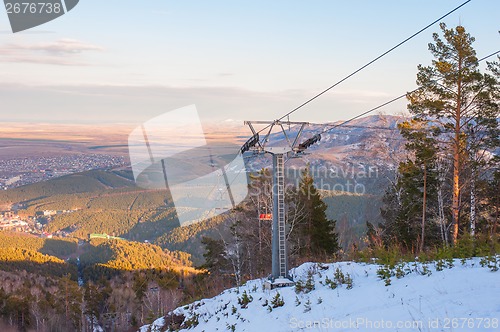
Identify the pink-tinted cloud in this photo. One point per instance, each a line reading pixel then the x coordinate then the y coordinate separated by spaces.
pixel 64 52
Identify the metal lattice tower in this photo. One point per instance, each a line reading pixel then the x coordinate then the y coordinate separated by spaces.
pixel 279 245
pixel 280 262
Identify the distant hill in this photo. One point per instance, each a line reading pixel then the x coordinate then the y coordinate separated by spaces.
pixel 352 166
pixel 19 259
pixel 351 213
pixel 110 257
pixel 101 202
pixel 87 182
pixel 58 247
pixel 125 255
pixel 368 141
pixel 32 254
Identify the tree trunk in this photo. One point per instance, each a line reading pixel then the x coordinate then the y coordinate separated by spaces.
pixel 473 203
pixel 455 208
pixel 442 220
pixel 66 299
pixel 423 209
pixel 456 194
pixel 497 212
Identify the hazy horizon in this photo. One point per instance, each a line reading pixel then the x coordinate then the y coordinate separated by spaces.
pixel 233 61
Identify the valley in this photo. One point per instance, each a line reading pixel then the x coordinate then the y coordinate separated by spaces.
pixel 107 201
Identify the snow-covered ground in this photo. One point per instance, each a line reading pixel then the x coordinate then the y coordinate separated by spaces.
pixel 425 297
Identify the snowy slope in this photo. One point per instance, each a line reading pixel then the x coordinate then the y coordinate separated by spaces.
pixel 465 297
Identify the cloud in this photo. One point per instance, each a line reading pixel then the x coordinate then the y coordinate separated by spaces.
pixel 64 52
pixel 64 46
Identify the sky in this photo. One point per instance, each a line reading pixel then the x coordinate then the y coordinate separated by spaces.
pixel 120 61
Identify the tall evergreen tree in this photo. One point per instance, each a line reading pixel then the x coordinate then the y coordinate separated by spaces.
pixel 72 306
pixel 215 256
pixel 314 230
pixel 493 194
pixel 423 145
pixel 405 214
pixel 455 94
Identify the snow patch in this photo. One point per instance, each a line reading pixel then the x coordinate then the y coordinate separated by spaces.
pixel 423 297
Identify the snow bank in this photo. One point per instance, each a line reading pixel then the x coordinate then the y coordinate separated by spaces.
pixel 425 297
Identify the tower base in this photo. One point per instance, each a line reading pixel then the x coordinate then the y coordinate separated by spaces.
pixel 278 283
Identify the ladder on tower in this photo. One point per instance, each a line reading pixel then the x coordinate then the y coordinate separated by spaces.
pixel 280 190
pixel 279 276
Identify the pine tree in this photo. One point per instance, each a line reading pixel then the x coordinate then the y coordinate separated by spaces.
pixel 423 145
pixel 411 205
pixel 215 256
pixel 454 93
pixel 402 207
pixel 72 305
pixel 493 201
pixel 317 233
pixel 95 297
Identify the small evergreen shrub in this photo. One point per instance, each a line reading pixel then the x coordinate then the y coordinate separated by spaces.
pixel 492 262
pixel 330 283
pixel 277 301
pixel 307 306
pixel 244 300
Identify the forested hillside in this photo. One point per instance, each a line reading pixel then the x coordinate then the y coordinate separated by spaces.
pixel 93 181
pixel 41 291
pixel 59 247
pixel 107 202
